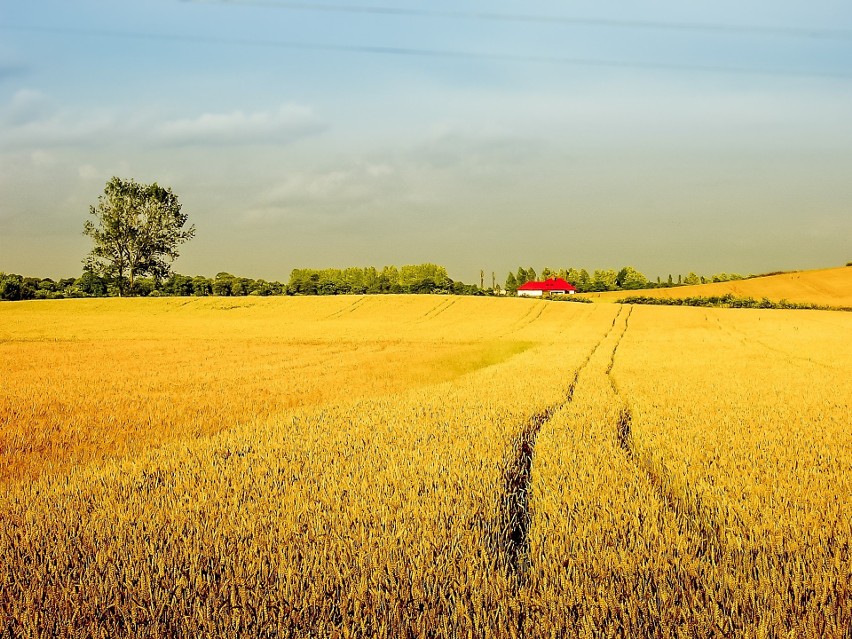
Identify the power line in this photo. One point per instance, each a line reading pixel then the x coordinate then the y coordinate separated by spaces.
pixel 424 52
pixel 657 25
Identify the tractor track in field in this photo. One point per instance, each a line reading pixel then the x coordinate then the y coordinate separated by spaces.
pixel 444 308
pixel 436 310
pixel 348 309
pixel 536 316
pixel 525 320
pixel 425 316
pixel 692 517
pixel 512 543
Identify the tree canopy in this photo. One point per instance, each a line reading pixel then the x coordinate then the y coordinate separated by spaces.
pixel 136 232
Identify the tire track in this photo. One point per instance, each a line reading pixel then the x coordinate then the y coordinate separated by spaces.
pixel 690 514
pixel 544 307
pixel 519 323
pixel 512 543
pixel 436 310
pixel 348 309
pixel 445 308
pixel 614 350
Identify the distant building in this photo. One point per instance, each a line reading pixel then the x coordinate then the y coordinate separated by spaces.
pixel 555 286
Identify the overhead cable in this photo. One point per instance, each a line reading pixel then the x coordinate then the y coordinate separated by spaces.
pixel 424 52
pixel 658 25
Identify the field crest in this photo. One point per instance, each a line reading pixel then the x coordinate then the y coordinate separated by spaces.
pixel 824 287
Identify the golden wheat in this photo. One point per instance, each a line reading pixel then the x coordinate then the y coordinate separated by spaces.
pixel 426 467
pixel 698 484
pixel 84 380
pixel 825 287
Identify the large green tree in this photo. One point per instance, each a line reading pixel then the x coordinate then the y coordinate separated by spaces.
pixel 136 231
pixel 631 279
pixel 604 280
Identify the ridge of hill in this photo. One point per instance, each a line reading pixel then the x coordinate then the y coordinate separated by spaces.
pixel 829 287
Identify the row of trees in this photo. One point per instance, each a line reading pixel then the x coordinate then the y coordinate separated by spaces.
pixel 626 279
pixel 419 278
pixel 416 278
pixel 89 284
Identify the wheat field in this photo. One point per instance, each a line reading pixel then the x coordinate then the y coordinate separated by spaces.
pixel 823 287
pixel 423 466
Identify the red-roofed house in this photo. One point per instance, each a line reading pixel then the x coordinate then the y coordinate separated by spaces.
pixel 555 286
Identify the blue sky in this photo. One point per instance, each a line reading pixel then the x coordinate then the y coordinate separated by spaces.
pixel 290 145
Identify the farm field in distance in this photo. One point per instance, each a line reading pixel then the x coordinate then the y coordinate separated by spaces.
pixel 423 466
pixel 826 287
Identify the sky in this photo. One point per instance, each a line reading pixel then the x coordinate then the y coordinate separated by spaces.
pixel 670 136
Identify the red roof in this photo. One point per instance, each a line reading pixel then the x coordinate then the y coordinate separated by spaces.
pixel 555 284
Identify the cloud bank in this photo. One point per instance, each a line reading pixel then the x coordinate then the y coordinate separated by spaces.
pixel 287 124
pixel 32 119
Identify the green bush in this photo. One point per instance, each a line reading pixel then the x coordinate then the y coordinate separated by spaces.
pixel 728 301
pixel 571 298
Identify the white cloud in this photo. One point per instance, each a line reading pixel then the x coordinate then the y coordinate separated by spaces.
pixel 88 172
pixel 61 129
pixel 26 106
pixel 344 186
pixel 350 191
pixel 287 124
pixel 31 120
pixel 42 158
pixel 379 170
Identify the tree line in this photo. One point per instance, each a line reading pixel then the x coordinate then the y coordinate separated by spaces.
pixel 415 278
pixel 412 279
pixel 409 279
pixel 625 279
